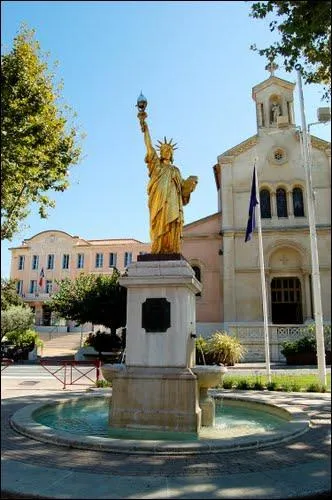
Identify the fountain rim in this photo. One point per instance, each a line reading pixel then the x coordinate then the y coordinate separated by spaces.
pixel 22 421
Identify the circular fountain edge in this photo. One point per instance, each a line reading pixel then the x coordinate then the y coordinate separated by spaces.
pixel 23 422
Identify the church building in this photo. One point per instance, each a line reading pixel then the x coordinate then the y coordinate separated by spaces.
pixel 232 263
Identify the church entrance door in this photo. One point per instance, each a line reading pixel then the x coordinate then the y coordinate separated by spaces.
pixel 286 300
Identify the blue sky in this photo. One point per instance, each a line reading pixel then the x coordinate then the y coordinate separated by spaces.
pixel 193 63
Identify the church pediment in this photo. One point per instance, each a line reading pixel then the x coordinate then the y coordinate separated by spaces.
pixel 272 81
pixel 238 149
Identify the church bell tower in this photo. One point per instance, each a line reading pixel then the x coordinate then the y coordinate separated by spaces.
pixel 274 102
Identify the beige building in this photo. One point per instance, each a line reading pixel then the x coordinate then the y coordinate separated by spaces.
pixel 228 267
pixel 54 255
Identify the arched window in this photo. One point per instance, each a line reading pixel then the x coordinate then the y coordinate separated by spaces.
pixel 298 202
pixel 281 203
pixel 197 272
pixel 265 203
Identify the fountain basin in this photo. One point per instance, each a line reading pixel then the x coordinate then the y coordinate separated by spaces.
pixel 292 424
pixel 209 375
pixel 111 370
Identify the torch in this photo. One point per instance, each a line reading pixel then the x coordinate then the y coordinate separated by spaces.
pixel 141 105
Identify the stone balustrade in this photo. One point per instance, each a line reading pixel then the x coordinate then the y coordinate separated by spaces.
pixel 252 338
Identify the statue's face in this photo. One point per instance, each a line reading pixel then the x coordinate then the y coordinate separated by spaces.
pixel 166 152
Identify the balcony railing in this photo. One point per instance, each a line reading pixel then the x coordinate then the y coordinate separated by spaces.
pixel 252 338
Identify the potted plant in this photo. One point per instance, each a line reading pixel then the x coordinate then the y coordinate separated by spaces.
pixel 218 349
pixel 311 329
pixel 300 352
pixel 104 342
pixel 303 351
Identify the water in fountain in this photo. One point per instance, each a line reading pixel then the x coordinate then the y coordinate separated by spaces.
pixel 89 417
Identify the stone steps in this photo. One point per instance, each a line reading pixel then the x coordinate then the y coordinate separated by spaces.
pixel 61 345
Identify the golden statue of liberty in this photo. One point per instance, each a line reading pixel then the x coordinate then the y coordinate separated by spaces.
pixel 167 191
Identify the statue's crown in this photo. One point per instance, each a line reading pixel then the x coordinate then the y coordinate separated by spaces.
pixel 170 144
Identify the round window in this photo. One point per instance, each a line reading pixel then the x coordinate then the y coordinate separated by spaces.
pixel 278 156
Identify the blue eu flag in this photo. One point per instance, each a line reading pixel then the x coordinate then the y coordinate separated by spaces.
pixel 252 205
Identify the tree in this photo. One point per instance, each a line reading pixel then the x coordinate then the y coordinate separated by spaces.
pixel 16 319
pixel 38 145
pixel 305 29
pixel 9 295
pixel 90 298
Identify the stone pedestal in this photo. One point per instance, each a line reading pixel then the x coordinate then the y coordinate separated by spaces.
pixel 157 389
pixel 161 297
pixel 153 398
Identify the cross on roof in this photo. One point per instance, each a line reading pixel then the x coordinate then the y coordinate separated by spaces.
pixel 271 67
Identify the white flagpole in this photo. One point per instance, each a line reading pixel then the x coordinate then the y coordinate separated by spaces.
pixel 262 269
pixel 313 241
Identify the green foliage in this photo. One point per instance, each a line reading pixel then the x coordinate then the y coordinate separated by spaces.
pixel 305 35
pixel 16 319
pixel 295 387
pixel 9 295
pixel 103 383
pixel 24 339
pixel 316 388
pixel 258 384
pixel 90 298
pixel 304 344
pixel 287 383
pixel 201 351
pixel 88 340
pixel 104 342
pixel 272 386
pixel 224 349
pixel 220 348
pixel 243 385
pixel 311 331
pixel 38 145
pixel 227 383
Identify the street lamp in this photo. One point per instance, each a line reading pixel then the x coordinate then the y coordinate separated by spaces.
pixel 313 236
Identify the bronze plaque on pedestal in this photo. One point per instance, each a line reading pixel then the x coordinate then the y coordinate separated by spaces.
pixel 156 315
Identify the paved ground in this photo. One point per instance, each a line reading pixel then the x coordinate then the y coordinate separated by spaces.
pixel 295 469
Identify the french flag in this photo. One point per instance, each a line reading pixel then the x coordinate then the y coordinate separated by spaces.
pixel 41 277
pixel 252 204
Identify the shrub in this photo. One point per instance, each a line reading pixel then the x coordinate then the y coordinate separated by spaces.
pixel 316 387
pixel 304 344
pixel 224 349
pixel 243 385
pixel 104 342
pixel 202 357
pixel 88 341
pixel 311 329
pixel 308 342
pixel 227 383
pixel 24 340
pixel 272 386
pixel 16 319
pixel 103 383
pixel 295 387
pixel 258 385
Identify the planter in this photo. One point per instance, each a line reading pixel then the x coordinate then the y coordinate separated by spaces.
pixel 306 358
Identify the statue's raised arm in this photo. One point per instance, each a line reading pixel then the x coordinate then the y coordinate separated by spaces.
pixel 142 116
